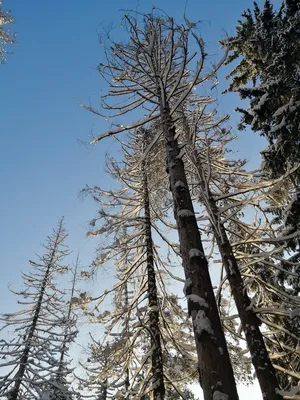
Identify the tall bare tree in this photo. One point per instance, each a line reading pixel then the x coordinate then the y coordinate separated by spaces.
pixel 32 355
pixel 206 155
pixel 153 72
pixel 128 215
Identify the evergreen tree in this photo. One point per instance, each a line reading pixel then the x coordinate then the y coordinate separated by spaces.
pixel 154 68
pixel 266 48
pixel 267 45
pixel 31 356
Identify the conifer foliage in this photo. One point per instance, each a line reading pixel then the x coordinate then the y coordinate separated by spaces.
pixel 267 43
pixel 267 74
pixel 266 52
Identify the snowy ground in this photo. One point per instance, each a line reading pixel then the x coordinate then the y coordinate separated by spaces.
pixel 245 392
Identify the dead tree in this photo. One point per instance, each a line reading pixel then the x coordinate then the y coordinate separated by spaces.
pixel 190 122
pixel 31 354
pixel 128 218
pixel 153 72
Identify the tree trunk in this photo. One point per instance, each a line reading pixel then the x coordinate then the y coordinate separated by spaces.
pixel 158 388
pixel 14 394
pixel 215 370
pixel 127 376
pixel 264 369
pixel 60 378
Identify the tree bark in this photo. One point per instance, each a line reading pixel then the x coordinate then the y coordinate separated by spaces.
pixel 127 376
pixel 264 369
pixel 215 370
pixel 158 387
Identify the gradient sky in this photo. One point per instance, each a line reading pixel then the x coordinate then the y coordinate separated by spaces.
pixel 44 163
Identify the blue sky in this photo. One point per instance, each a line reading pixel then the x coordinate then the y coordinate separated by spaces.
pixel 43 163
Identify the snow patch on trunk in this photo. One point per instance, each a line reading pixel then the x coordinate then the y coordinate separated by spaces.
pixel 220 396
pixel 197 299
pixel 196 253
pixel 202 323
pixel 180 184
pixel 185 213
pixel 231 268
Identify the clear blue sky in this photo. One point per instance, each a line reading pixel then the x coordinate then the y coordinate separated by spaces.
pixel 43 166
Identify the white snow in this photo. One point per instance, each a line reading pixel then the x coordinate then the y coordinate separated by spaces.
pixel 202 323
pixel 180 184
pixel 220 396
pixel 251 305
pixel 279 126
pixel 292 392
pixel 231 269
pixel 178 368
pixel 295 313
pixel 181 153
pixel 281 110
pixel 185 213
pixel 197 299
pixel 196 253
pixel 261 102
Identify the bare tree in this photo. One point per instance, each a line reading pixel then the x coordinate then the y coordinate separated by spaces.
pixel 128 216
pixel 158 386
pixel 58 385
pixel 207 162
pixel 6 37
pixel 38 329
pixel 153 71
pixel 267 270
